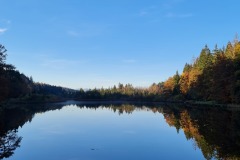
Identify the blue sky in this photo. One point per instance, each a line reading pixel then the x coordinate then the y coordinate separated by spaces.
pixel 95 43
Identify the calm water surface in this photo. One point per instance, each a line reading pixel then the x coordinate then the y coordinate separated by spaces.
pixel 74 131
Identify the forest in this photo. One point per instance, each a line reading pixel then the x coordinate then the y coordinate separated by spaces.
pixel 214 76
pixel 14 84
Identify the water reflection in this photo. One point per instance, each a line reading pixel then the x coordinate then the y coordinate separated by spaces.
pixel 215 131
pixel 8 143
pixel 11 118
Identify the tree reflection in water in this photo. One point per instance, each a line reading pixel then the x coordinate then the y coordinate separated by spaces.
pixel 215 131
pixel 8 143
pixel 11 119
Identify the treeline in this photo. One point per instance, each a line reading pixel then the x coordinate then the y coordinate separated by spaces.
pixel 14 84
pixel 121 92
pixel 213 76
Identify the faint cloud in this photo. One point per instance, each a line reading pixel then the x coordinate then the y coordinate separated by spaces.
pixel 167 9
pixel 143 13
pixel 170 6
pixel 3 30
pixel 8 21
pixel 84 32
pixel 87 30
pixel 60 63
pixel 73 33
pixel 5 21
pixel 147 11
pixel 173 15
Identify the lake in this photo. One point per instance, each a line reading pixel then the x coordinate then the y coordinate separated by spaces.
pixel 105 131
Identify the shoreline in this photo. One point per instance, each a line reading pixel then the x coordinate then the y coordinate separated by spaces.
pixel 61 100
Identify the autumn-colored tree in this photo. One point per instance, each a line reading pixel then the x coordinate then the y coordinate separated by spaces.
pixel 229 52
pixel 213 76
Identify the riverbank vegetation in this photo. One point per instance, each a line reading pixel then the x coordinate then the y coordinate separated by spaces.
pixel 213 77
pixel 14 84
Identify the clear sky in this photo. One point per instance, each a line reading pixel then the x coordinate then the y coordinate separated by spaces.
pixel 95 43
